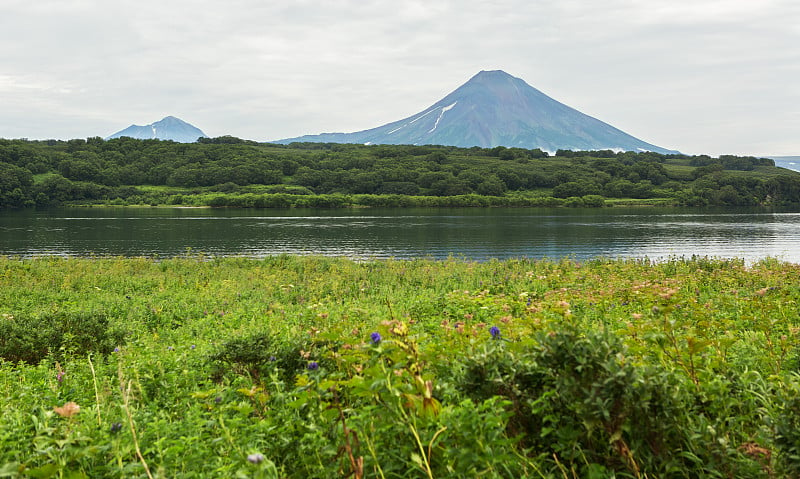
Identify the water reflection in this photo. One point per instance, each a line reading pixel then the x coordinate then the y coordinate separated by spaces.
pixel 404 233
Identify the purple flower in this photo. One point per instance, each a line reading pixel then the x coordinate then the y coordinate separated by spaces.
pixel 60 376
pixel 495 332
pixel 256 458
pixel 313 366
pixel 116 427
pixel 375 337
pixel 116 350
pixel 193 346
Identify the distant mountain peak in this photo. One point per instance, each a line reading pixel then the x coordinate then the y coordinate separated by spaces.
pixel 486 73
pixel 168 128
pixel 491 74
pixel 494 108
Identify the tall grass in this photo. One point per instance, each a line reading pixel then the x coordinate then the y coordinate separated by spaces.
pixel 325 367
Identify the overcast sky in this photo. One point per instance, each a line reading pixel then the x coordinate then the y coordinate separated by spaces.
pixel 700 76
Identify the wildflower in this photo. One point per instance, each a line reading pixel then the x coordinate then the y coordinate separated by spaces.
pixel 60 376
pixel 313 366
pixel 193 346
pixel 116 427
pixel 495 332
pixel 170 348
pixel 375 338
pixel 68 409
pixel 256 458
pixel 116 350
pixel 272 359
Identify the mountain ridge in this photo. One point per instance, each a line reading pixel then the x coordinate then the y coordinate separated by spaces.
pixel 493 109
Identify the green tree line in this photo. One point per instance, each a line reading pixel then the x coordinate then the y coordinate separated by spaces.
pixel 217 171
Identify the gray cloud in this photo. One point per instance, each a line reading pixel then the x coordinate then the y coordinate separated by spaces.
pixel 702 76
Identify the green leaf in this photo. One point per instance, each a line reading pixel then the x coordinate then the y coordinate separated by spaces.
pixel 696 345
pixel 11 469
pixel 43 472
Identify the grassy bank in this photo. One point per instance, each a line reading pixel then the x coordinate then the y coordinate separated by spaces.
pixel 323 367
pixel 336 200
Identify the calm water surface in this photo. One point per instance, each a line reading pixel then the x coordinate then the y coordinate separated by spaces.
pixel 472 233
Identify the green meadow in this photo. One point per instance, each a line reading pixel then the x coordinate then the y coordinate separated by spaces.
pixel 311 367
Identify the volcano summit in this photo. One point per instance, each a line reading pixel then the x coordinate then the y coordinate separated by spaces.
pixel 168 128
pixel 493 109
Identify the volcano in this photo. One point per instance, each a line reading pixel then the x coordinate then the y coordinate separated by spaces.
pixel 493 109
pixel 168 128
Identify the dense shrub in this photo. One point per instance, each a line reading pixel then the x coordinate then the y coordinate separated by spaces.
pixel 33 338
pixel 578 398
pixel 787 428
pixel 259 354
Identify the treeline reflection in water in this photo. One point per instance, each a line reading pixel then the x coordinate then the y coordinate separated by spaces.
pixel 470 233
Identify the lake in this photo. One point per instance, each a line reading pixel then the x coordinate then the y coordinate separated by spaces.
pixel 470 233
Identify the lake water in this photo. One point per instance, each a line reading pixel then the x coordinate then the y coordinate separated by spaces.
pixel 471 233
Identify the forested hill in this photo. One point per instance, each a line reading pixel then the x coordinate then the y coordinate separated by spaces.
pixel 230 171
